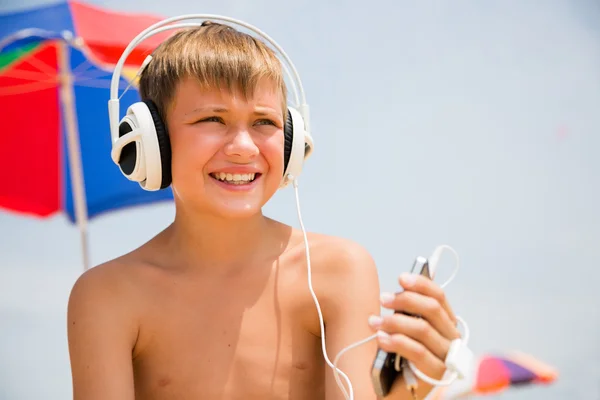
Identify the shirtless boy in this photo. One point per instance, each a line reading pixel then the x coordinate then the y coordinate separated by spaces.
pixel 217 305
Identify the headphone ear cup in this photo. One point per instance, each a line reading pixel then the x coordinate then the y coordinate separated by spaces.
pixel 288 134
pixel 128 157
pixel 294 151
pixel 164 145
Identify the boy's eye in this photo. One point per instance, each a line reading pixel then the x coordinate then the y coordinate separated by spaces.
pixel 211 119
pixel 220 120
pixel 265 122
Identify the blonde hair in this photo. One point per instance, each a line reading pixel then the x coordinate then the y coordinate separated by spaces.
pixel 218 56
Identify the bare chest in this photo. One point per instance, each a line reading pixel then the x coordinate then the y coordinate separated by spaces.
pixel 249 342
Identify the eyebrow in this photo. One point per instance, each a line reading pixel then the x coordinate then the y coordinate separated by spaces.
pixel 262 111
pixel 205 109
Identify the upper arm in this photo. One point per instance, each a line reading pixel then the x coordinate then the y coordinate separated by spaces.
pixel 101 335
pixel 352 294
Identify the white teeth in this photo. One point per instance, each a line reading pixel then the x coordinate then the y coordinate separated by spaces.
pixel 236 179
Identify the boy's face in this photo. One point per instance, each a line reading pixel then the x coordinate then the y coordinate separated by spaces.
pixel 227 150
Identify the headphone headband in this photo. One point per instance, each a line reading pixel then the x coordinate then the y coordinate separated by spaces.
pixel 113 103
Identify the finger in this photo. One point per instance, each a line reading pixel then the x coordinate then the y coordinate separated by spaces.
pixel 425 307
pixel 415 328
pixel 413 351
pixel 427 287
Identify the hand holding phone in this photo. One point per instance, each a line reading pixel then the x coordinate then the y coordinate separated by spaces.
pixel 387 367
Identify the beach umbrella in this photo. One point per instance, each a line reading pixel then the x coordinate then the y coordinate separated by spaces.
pixel 493 373
pixel 55 69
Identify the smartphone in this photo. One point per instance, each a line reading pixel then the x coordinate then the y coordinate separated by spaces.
pixel 383 371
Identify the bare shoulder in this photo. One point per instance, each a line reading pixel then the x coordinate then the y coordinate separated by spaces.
pixel 340 256
pixel 107 291
pixel 103 318
pixel 346 283
pixel 119 280
pixel 340 268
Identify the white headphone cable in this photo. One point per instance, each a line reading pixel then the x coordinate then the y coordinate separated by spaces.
pixel 349 393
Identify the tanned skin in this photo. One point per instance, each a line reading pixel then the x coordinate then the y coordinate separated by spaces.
pixel 217 305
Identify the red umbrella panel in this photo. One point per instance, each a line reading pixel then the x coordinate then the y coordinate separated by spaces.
pixel 56 63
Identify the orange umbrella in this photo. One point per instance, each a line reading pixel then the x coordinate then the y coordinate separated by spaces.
pixel 495 373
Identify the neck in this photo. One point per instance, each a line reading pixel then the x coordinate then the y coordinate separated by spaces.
pixel 209 240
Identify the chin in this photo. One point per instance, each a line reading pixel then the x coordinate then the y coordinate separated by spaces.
pixel 236 209
pixel 224 201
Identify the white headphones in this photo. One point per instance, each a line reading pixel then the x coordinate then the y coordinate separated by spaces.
pixel 140 141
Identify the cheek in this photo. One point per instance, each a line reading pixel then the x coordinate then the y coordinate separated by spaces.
pixel 272 150
pixel 191 151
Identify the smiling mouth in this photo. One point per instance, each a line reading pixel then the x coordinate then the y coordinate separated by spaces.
pixel 235 179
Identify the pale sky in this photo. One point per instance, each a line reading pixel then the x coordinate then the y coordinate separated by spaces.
pixel 475 125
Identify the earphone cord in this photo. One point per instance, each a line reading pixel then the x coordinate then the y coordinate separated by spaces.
pixel 137 74
pixel 349 392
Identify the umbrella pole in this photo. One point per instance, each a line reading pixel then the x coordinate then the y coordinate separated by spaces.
pixel 67 98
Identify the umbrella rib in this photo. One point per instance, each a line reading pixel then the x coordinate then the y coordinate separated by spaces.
pixel 81 68
pixel 42 66
pixel 98 83
pixel 96 74
pixel 28 87
pixel 83 72
pixel 26 75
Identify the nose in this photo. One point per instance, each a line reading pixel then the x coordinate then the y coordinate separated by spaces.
pixel 241 145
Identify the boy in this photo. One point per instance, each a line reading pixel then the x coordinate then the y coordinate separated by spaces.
pixel 217 305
